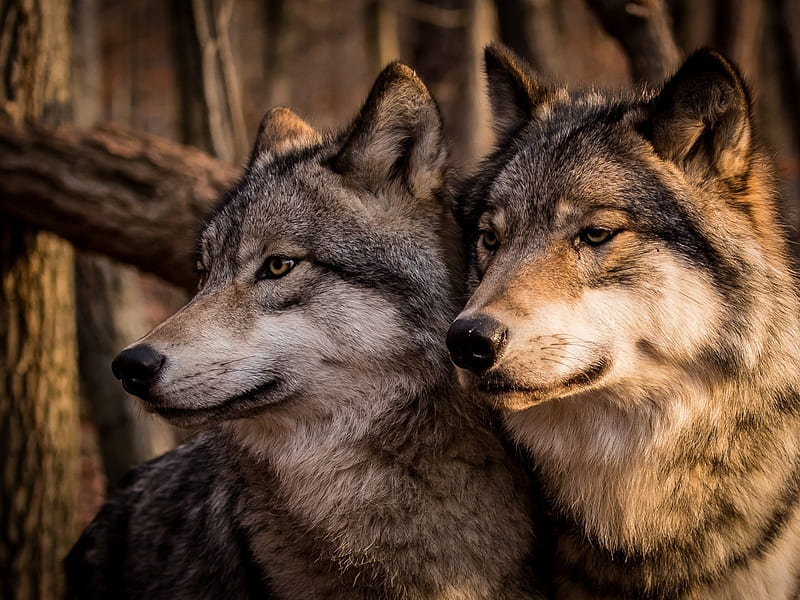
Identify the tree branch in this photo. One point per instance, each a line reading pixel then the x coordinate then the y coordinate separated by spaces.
pixel 644 29
pixel 137 198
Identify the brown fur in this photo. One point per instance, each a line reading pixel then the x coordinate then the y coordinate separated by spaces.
pixel 653 377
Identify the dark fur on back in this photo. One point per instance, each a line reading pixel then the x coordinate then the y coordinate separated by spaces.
pixel 189 496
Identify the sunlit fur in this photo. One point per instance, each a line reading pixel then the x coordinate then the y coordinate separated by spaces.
pixel 341 459
pixel 653 378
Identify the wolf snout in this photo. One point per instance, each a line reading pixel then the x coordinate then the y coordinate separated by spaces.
pixel 137 368
pixel 476 342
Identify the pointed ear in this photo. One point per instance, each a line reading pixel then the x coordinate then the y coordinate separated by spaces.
pixel 702 119
pixel 280 132
pixel 514 92
pixel 396 136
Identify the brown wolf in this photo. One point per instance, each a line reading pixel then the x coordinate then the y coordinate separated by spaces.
pixel 342 459
pixel 635 317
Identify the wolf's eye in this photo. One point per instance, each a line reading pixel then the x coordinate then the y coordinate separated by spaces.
pixel 489 240
pixel 595 236
pixel 275 267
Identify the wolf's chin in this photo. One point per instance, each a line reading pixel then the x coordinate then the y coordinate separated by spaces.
pixel 508 393
pixel 245 404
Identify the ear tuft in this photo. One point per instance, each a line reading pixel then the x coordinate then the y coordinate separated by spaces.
pixel 396 136
pixel 702 120
pixel 280 132
pixel 513 90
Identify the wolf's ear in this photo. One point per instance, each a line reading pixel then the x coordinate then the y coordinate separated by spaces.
pixel 280 132
pixel 397 135
pixel 702 119
pixel 514 92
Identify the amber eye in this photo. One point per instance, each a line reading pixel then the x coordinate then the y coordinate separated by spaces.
pixel 275 267
pixel 595 236
pixel 489 240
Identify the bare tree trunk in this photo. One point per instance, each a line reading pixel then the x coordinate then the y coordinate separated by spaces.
pixel 740 33
pixel 211 86
pixel 38 392
pixel 276 51
pixel 777 93
pixel 131 196
pixel 443 52
pixel 530 28
pixel 383 44
pixel 693 22
pixel 644 29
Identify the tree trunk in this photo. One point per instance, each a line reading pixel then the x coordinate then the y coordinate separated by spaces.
pixel 443 51
pixel 38 394
pixel 530 28
pixel 210 86
pixel 111 316
pixel 644 29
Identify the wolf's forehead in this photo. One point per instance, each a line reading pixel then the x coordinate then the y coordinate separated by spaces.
pixel 287 214
pixel 548 177
pixel 287 209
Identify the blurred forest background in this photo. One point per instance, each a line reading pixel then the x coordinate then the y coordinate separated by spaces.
pixel 121 121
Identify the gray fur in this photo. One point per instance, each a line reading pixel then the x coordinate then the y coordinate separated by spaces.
pixel 341 459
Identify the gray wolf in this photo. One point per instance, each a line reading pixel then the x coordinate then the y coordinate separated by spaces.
pixel 634 316
pixel 340 458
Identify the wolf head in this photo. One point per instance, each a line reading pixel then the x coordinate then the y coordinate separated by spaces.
pixel 325 273
pixel 617 240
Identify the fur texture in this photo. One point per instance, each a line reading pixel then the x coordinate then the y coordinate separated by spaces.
pixel 341 458
pixel 635 317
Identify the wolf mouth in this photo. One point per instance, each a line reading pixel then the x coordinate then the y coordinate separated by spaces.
pixel 240 403
pixel 498 385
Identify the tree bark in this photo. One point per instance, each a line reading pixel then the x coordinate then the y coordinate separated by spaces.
pixel 134 197
pixel 644 29
pixel 39 435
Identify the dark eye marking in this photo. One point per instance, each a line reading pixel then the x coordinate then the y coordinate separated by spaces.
pixel 202 274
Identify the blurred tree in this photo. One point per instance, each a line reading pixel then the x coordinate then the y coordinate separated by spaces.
pixel 442 48
pixel 38 380
pixel 109 300
pixel 213 113
pixel 531 29
pixel 644 29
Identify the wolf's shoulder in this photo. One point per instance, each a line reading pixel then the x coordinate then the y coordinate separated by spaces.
pixel 168 530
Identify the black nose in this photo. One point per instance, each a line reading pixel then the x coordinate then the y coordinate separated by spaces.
pixel 137 367
pixel 475 342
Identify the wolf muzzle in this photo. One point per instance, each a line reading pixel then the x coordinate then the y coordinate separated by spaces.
pixel 475 342
pixel 137 367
